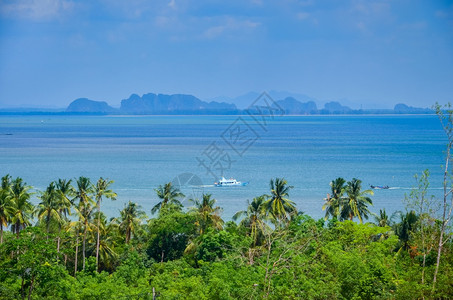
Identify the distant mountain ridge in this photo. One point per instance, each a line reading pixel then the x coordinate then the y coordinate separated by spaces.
pixel 291 106
pixel 173 104
pixel 82 105
pixel 177 104
pixel 402 108
pixel 243 101
pixel 153 104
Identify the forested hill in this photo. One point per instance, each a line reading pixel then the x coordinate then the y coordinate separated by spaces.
pixel 155 104
pixel 180 104
pixel 173 104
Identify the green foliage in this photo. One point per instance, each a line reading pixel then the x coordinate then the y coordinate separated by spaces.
pixel 30 264
pixel 214 245
pixel 334 199
pixel 169 234
pixel 405 228
pixel 208 215
pixel 6 204
pixel 347 200
pixel 194 255
pixel 363 259
pixel 21 206
pixel 254 219
pixel 168 194
pixel 130 220
pixel 278 205
pixel 133 268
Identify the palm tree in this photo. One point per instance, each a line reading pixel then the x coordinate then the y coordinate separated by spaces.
pixel 75 227
pixel 22 208
pixel 167 194
pixel 130 219
pixel 6 182
pixel 6 205
pixel 356 202
pixel 102 190
pixel 253 218
pixel 48 210
pixel 333 200
pixel 65 191
pixel 84 209
pixel 208 215
pixel 107 241
pixel 383 219
pixel 278 205
pixel 405 227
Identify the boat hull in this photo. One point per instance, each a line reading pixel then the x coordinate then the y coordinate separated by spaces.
pixel 378 187
pixel 228 185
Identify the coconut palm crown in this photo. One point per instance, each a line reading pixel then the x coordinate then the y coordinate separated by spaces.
pixel 168 194
pixel 278 205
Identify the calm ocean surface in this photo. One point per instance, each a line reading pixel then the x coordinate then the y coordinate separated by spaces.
pixel 140 153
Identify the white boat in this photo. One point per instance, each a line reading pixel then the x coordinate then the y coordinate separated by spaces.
pixel 229 182
pixel 379 187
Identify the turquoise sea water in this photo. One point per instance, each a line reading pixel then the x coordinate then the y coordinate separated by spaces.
pixel 140 153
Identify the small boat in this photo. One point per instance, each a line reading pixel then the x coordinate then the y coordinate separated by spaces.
pixel 229 182
pixel 379 187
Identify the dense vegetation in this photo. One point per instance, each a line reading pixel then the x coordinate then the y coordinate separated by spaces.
pixel 269 250
pixel 74 252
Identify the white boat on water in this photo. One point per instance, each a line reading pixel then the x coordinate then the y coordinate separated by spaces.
pixel 229 182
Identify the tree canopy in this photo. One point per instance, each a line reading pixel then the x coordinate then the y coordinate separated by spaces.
pixel 272 252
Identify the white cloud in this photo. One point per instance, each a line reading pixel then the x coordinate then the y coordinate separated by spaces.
pixel 370 13
pixel 214 31
pixel 373 8
pixel 230 25
pixel 370 16
pixel 362 27
pixel 446 13
pixel 306 3
pixel 303 15
pixel 36 9
pixel 172 4
pixel 416 26
pixel 257 2
pixel 162 21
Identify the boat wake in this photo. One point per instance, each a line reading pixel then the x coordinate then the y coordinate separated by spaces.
pixel 404 188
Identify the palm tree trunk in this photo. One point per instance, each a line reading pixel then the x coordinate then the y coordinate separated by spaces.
pixel 1 233
pixel 48 227
pixel 17 229
pixel 253 235
pixel 58 239
pixel 267 281
pixel 31 287
pixel 76 252
pixel 22 290
pixel 83 247
pixel 97 243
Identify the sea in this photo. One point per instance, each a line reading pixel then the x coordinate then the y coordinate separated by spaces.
pixel 142 152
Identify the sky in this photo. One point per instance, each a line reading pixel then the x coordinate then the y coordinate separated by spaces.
pixel 373 53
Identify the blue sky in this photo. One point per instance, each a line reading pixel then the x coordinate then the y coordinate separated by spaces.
pixel 376 53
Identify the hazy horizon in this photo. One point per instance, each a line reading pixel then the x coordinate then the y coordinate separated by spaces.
pixel 370 53
pixel 247 99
